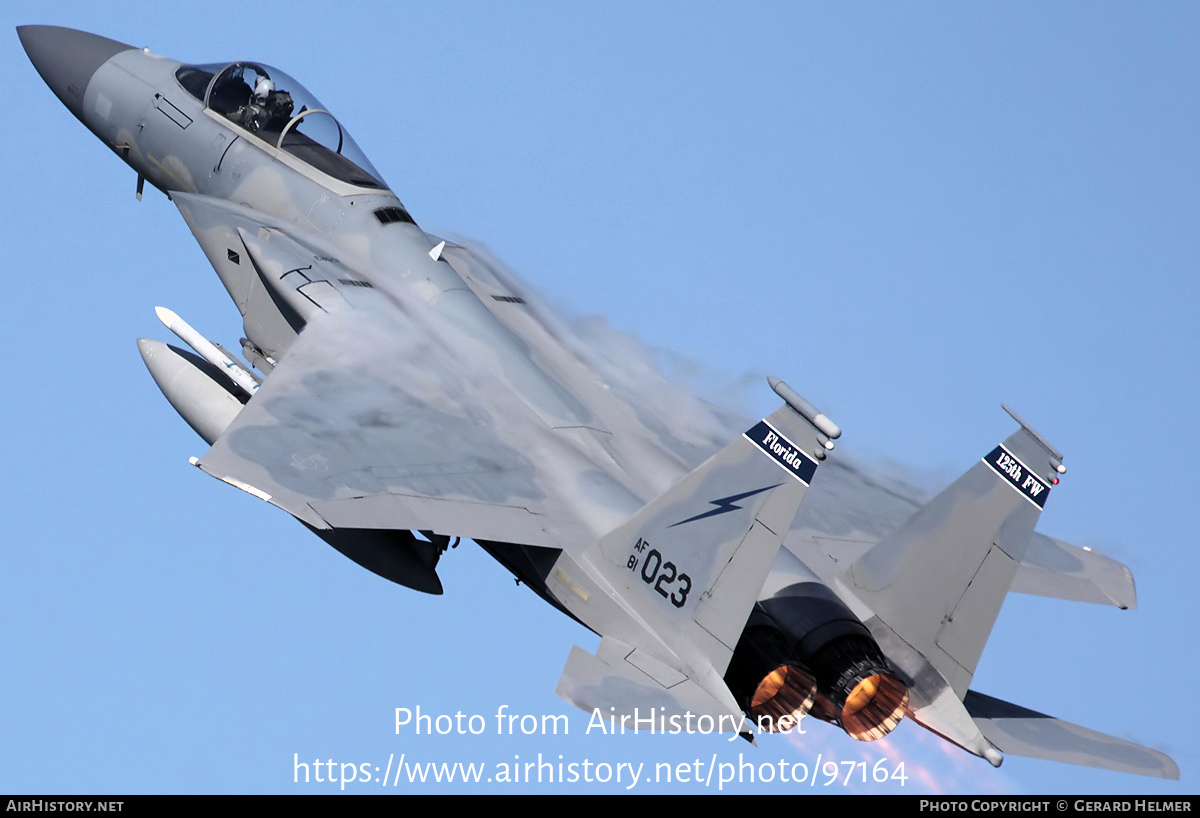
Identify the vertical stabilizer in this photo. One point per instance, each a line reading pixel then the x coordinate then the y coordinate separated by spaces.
pixel 687 568
pixel 938 582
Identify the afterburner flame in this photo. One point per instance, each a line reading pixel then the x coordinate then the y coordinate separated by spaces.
pixel 861 696
pixel 874 707
pixel 782 698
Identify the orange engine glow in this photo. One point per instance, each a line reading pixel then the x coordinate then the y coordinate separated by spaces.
pixel 874 707
pixel 782 698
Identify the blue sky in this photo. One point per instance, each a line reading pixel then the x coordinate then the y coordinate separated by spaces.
pixel 912 212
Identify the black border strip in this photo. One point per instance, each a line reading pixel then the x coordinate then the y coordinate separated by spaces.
pixel 790 457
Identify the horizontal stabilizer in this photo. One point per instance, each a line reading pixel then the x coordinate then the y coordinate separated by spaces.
pixel 616 684
pixel 1053 568
pixel 1019 731
pixel 1050 567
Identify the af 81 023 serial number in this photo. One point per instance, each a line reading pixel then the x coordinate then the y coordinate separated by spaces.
pixel 661 575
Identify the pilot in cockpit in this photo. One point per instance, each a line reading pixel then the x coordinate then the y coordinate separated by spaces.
pixel 268 109
pixel 263 89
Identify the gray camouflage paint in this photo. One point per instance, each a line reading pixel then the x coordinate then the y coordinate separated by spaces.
pixel 414 384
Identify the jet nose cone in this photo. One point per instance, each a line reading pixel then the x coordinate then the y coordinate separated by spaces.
pixel 67 59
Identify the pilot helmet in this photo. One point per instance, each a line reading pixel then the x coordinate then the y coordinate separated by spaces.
pixel 263 87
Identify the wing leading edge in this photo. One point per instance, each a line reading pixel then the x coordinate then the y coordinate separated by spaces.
pixel 365 425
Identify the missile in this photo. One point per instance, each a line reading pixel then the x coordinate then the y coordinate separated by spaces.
pixel 806 410
pixel 208 351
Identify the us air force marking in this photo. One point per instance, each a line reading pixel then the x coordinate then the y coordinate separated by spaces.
pixel 787 454
pixel 1020 476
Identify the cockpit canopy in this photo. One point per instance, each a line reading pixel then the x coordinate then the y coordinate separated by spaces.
pixel 275 108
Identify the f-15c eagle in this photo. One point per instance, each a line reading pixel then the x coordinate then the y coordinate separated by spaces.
pixel 400 392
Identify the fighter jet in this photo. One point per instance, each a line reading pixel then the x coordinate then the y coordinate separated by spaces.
pixel 401 392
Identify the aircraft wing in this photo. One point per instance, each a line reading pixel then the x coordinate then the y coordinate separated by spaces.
pixel 660 429
pixel 369 423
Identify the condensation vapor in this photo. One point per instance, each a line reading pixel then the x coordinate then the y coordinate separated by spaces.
pixel 848 497
pixel 931 766
pixel 696 411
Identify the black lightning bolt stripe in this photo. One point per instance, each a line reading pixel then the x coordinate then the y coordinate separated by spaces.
pixel 725 504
